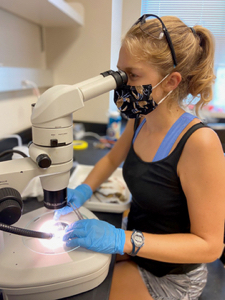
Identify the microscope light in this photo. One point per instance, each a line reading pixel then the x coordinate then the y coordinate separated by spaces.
pixel 46 223
pixel 57 229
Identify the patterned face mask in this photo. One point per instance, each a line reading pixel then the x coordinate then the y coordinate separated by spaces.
pixel 136 100
pixel 132 100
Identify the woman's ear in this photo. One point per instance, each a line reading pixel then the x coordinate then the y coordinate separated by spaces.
pixel 172 81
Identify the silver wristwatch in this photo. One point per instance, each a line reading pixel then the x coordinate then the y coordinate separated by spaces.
pixel 137 240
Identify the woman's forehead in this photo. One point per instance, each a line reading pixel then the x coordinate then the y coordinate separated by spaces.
pixel 127 59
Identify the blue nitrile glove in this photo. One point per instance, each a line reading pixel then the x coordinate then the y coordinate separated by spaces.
pixel 95 235
pixel 76 197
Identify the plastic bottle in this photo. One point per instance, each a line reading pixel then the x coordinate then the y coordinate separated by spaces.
pixel 114 126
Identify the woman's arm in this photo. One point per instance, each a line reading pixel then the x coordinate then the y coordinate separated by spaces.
pixel 111 161
pixel 202 173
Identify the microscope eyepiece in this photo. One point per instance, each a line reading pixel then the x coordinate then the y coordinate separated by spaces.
pixel 119 76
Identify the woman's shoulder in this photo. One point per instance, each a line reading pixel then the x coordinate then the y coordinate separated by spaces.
pixel 203 141
pixel 203 150
pixel 203 136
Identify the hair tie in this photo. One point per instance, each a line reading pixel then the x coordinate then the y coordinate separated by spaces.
pixel 193 31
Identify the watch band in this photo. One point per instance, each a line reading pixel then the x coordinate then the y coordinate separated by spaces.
pixel 137 240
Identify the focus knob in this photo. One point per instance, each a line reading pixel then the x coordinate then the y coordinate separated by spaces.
pixel 10 206
pixel 43 161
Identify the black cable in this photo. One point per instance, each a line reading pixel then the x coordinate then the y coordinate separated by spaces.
pixel 12 151
pixel 25 232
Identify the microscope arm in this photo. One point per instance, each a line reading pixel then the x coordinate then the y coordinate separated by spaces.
pixel 59 101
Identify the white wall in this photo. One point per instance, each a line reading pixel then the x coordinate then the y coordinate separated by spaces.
pixel 20 42
pixel 74 54
pixel 20 47
pixel 131 12
pixel 124 14
pixel 77 54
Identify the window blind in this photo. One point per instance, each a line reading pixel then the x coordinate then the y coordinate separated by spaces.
pixel 208 13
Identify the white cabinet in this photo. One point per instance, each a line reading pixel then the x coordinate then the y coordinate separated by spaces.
pixel 45 13
pixel 48 13
pixel 12 79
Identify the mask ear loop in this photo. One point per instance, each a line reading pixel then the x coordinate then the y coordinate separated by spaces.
pixel 165 97
pixel 158 85
pixel 160 82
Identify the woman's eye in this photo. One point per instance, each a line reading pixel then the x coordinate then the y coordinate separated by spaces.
pixel 133 76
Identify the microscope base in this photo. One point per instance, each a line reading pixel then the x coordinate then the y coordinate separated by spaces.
pixel 27 275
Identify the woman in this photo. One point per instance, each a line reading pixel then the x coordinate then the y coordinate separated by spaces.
pixel 174 167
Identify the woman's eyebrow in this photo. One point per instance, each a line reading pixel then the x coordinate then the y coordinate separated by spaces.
pixel 129 69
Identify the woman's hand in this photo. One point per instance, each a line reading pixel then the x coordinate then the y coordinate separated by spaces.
pixel 75 198
pixel 95 235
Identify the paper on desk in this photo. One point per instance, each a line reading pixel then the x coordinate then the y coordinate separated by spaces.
pixel 111 191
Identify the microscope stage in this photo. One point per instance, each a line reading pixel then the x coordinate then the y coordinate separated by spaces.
pixel 31 275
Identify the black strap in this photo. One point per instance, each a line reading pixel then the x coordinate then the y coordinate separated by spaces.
pixel 187 134
pixel 175 155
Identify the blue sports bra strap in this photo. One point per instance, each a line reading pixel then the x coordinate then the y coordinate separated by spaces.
pixel 138 128
pixel 172 135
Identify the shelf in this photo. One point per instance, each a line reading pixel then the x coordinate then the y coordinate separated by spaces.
pixel 47 13
pixel 11 79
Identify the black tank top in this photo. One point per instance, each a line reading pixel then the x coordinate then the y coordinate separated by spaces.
pixel 158 202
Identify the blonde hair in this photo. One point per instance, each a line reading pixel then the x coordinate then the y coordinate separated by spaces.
pixel 194 50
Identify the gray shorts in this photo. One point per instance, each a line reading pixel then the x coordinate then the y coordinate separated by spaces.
pixel 187 286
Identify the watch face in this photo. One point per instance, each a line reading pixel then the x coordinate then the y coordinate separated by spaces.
pixel 138 238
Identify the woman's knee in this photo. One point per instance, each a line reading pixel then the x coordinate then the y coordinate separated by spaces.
pixel 127 282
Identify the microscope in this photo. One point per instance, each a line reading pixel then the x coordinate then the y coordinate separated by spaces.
pixel 51 150
pixel 51 159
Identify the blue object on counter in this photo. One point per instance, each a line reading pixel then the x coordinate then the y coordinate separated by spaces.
pixel 114 126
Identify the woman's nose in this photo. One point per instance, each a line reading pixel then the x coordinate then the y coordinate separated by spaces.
pixel 129 81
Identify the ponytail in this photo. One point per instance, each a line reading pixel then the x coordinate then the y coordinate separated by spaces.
pixel 202 76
